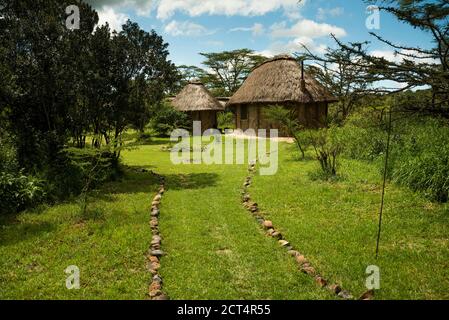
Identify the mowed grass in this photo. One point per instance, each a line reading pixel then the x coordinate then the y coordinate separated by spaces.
pixel 108 244
pixel 215 249
pixel 335 225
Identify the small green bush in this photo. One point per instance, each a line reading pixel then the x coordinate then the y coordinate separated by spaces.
pixel 166 119
pixel 18 191
pixel 75 167
pixel 327 144
pixel 364 135
pixel 225 120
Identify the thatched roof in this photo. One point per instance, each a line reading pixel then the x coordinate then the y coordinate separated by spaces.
pixel 195 97
pixel 278 80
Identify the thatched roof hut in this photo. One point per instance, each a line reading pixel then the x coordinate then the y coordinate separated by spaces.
pixel 199 103
pixel 280 81
pixel 195 97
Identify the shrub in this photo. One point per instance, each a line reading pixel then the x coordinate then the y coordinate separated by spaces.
pixel 18 191
pixel 327 145
pixel 419 153
pixel 8 153
pixel 364 135
pixel 225 120
pixel 74 168
pixel 166 119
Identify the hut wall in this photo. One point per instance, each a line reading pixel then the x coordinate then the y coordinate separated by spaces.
pixel 208 118
pixel 309 115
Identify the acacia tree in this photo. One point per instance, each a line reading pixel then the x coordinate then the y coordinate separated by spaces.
pixel 228 69
pixel 417 67
pixel 337 72
pixel 186 74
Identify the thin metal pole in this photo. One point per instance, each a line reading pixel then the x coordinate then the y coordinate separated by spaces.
pixel 384 184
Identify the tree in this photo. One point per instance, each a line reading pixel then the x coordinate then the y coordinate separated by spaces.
pixel 337 72
pixel 140 76
pixel 187 74
pixel 228 69
pixel 418 67
pixel 39 51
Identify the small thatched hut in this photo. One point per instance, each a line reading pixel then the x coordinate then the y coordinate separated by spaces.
pixel 280 81
pixel 199 104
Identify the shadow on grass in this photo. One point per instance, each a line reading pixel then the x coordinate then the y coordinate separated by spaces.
pixel 148 142
pixel 191 181
pixel 16 232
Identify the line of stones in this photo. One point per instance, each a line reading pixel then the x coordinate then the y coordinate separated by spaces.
pixel 304 265
pixel 155 253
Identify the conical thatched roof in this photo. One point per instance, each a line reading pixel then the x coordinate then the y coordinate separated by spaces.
pixel 195 97
pixel 278 80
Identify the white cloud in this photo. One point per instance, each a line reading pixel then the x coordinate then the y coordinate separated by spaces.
pixel 294 46
pixel 302 33
pixel 306 28
pixel 186 28
pixel 167 8
pixel 256 30
pixel 333 12
pixel 141 7
pixel 114 19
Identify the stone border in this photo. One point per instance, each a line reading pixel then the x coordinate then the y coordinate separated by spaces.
pixel 303 264
pixel 155 252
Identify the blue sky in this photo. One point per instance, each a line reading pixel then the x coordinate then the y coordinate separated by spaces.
pixel 266 26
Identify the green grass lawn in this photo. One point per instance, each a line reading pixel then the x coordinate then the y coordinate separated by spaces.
pixel 335 225
pixel 108 244
pixel 214 247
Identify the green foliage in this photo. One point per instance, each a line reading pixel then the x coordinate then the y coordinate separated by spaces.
pixel 420 159
pixel 78 170
pixel 288 122
pixel 364 135
pixel 18 191
pixel 166 119
pixel 8 153
pixel 228 70
pixel 225 120
pixel 328 145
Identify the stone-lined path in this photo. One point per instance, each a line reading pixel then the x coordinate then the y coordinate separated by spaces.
pixel 303 264
pixel 155 253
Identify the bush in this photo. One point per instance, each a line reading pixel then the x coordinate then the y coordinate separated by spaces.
pixel 75 168
pixel 166 119
pixel 327 144
pixel 18 191
pixel 8 153
pixel 225 120
pixel 364 135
